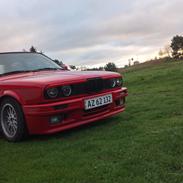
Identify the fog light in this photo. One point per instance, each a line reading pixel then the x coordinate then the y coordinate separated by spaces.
pixel 56 119
pixel 120 102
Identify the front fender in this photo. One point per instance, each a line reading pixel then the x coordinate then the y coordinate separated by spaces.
pixel 14 95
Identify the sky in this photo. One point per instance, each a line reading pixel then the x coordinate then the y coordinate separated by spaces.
pixel 90 32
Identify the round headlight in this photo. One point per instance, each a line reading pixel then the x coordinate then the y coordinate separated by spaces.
pixel 113 83
pixel 52 92
pixel 66 90
pixel 119 82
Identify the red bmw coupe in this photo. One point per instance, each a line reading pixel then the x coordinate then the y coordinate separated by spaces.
pixel 37 96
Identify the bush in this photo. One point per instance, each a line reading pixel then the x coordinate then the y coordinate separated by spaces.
pixel 111 67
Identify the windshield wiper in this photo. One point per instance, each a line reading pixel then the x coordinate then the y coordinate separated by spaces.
pixel 23 71
pixel 46 69
pixel 15 72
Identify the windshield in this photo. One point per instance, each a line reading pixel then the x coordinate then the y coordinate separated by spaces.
pixel 25 62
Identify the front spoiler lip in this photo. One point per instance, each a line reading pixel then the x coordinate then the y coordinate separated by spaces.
pixel 79 123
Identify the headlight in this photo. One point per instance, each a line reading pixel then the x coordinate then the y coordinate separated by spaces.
pixel 119 82
pixel 66 90
pixel 52 92
pixel 113 83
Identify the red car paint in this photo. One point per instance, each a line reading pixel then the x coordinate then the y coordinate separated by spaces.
pixel 28 89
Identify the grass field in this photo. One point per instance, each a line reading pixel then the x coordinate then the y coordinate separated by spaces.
pixel 143 144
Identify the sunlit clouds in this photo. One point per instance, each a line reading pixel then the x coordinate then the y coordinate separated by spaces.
pixel 90 32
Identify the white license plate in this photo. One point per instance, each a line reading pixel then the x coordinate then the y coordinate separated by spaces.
pixel 98 101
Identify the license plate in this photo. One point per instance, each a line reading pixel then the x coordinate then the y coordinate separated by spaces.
pixel 98 101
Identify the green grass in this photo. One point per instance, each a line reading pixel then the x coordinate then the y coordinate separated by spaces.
pixel 143 144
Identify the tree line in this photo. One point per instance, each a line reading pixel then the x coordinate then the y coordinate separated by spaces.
pixel 172 51
pixel 108 67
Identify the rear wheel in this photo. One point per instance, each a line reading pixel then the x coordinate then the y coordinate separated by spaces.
pixel 12 120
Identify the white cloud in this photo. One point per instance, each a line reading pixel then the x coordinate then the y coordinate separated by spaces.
pixel 90 32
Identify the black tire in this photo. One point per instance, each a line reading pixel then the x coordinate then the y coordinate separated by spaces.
pixel 12 117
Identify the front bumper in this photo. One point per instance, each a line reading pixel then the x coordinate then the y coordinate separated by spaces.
pixel 38 116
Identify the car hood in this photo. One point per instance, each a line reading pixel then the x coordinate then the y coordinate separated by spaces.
pixel 57 77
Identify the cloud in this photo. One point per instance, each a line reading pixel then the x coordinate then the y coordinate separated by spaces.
pixel 90 32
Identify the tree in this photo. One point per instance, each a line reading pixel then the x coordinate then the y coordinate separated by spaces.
pixel 177 46
pixel 57 61
pixel 101 68
pixel 33 49
pixel 167 50
pixel 161 53
pixel 72 67
pixel 111 67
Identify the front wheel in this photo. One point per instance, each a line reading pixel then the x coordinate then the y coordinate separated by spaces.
pixel 12 120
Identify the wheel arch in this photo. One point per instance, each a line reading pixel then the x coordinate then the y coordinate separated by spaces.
pixel 18 100
pixel 12 95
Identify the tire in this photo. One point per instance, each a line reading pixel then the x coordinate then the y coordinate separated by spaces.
pixel 12 122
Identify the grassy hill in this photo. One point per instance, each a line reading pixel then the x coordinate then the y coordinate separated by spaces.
pixel 144 144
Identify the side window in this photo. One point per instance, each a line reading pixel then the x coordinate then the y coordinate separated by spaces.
pixel 16 65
